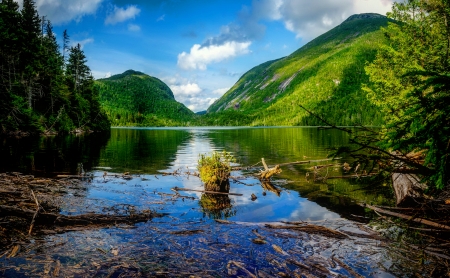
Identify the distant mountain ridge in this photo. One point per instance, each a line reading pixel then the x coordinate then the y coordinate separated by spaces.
pixel 133 98
pixel 325 76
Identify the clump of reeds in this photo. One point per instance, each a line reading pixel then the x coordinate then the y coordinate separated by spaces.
pixel 215 170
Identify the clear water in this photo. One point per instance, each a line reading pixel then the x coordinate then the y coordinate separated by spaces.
pixel 148 153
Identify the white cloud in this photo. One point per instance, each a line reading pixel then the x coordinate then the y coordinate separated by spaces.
pixel 134 27
pixel 161 18
pixel 121 14
pixel 191 94
pixel 188 89
pixel 304 18
pixel 108 74
pixel 220 92
pixel 197 104
pixel 200 56
pixel 83 42
pixel 59 12
pixel 309 19
pixel 372 6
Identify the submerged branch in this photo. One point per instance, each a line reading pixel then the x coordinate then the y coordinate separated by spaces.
pixel 408 217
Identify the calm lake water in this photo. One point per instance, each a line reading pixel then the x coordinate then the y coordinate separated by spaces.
pixel 161 247
pixel 148 152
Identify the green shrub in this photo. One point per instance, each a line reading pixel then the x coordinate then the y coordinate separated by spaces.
pixel 215 170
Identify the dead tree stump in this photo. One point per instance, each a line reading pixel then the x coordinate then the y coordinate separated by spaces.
pixel 408 189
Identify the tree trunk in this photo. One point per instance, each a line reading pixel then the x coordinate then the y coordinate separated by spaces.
pixel 408 190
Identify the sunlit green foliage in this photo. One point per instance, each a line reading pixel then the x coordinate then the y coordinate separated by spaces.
pixel 410 83
pixel 215 169
pixel 325 76
pixel 136 99
pixel 39 91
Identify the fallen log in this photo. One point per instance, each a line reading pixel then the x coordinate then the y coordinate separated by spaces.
pixel 56 219
pixel 347 267
pixel 72 177
pixel 268 172
pixel 287 163
pixel 311 229
pixel 351 176
pixel 206 191
pixel 408 217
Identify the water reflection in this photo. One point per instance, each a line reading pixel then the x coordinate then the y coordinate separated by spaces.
pixel 148 152
pixel 268 186
pixel 217 206
pixel 51 155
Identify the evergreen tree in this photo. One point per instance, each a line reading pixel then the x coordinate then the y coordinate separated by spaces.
pixel 29 57
pixel 39 92
pixel 9 64
pixel 85 108
pixel 410 82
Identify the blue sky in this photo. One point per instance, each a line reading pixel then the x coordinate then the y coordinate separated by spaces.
pixel 199 48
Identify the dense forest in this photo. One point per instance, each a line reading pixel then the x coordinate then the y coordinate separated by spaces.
pixel 410 85
pixel 133 98
pixel 43 89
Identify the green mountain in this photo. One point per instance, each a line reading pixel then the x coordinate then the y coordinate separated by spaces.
pixel 136 99
pixel 324 76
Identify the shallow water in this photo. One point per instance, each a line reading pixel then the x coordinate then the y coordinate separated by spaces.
pixel 154 248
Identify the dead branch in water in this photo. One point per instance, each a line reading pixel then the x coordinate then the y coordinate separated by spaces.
pixel 310 228
pixel 56 219
pixel 38 207
pixel 268 172
pixel 408 217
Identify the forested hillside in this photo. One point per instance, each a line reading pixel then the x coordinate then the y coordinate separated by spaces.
pixel 136 99
pixel 43 90
pixel 325 76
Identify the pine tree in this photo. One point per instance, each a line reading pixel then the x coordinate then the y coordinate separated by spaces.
pixel 31 42
pixel 410 82
pixel 39 92
pixel 10 21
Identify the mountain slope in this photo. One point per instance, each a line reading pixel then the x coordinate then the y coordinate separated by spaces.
pixel 325 76
pixel 136 99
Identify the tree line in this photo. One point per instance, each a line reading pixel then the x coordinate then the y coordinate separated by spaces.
pixel 43 89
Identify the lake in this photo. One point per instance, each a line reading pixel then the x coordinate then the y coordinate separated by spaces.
pixel 151 151
pixel 161 159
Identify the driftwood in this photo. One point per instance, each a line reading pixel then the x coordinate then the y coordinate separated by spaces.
pixel 346 267
pixel 287 163
pixel 38 207
pixel 409 218
pixel 73 177
pixel 55 219
pixel 242 267
pixel 268 172
pixel 352 176
pixel 311 229
pixel 205 191
pixel 408 189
